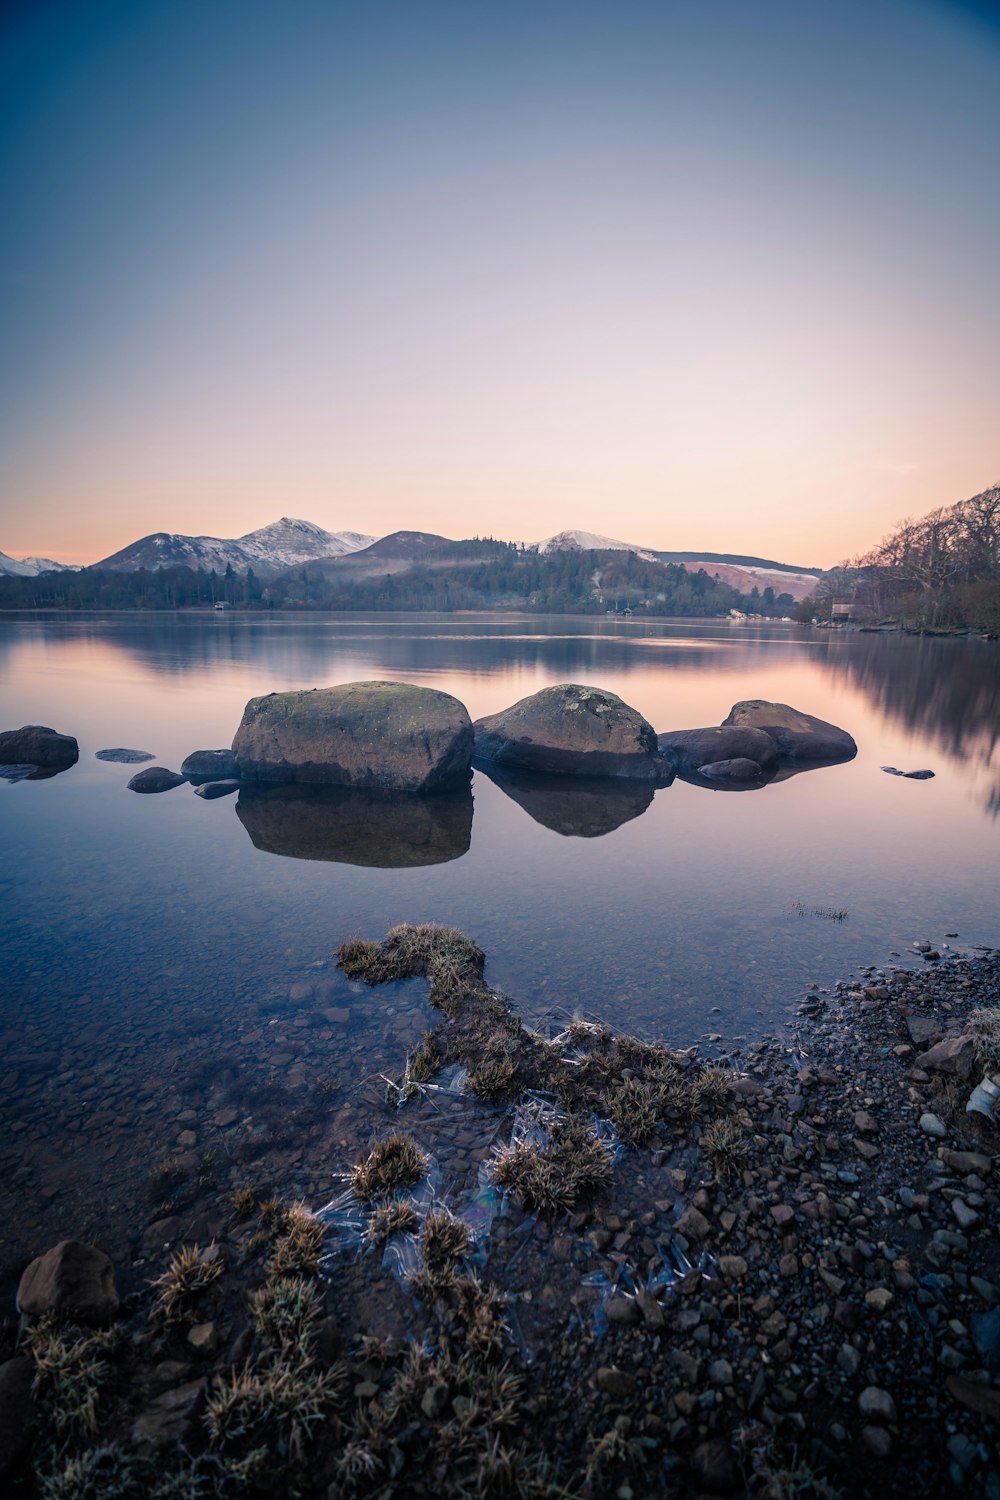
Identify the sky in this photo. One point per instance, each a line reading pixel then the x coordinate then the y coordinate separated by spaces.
pixel 711 275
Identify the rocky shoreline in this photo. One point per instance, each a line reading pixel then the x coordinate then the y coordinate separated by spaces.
pixel 778 1277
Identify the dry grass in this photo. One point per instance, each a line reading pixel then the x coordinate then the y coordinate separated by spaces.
pixel 395 1217
pixel 727 1144
pixel 985 1027
pixel 71 1367
pixel 190 1272
pixel 298 1248
pixel 552 1177
pixel 633 1109
pixel 394 1163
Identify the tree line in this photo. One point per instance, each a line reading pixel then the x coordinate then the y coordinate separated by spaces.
pixel 941 571
pixel 473 575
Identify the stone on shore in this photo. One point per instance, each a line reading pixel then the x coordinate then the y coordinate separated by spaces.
pixel 210 765
pixel 389 736
pixel 73 1280
pixel 798 735
pixel 36 745
pixel 690 749
pixel 954 1054
pixel 155 779
pixel 572 730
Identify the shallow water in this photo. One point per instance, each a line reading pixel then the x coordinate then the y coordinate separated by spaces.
pixel 143 936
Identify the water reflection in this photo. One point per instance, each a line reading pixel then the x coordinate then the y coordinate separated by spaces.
pixel 575 806
pixel 357 828
pixel 947 691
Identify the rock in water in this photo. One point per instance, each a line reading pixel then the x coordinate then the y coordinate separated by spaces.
pixel 124 757
pixel 738 769
pixel 71 1279
pixel 210 765
pixel 35 745
pixel 155 779
pixel 573 731
pixel 689 749
pixel 385 735
pixel 209 790
pixel 795 733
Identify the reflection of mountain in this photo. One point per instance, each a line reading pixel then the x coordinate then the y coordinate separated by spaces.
pixel 576 806
pixel 357 828
pixel 947 690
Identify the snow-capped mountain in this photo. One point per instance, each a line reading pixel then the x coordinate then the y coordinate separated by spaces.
pixel 282 544
pixel 30 567
pixel 588 541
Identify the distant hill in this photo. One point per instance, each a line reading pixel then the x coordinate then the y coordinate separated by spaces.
pixel 31 567
pixel 282 544
pixel 588 541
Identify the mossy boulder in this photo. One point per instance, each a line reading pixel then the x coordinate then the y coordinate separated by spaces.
pixel 572 730
pixel 799 735
pixel 389 736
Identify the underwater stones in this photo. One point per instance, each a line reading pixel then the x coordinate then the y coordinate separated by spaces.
pixel 71 1279
pixel 692 749
pixel 572 730
pixel 389 736
pixel 796 734
pixel 155 779
pixel 37 745
pixel 210 765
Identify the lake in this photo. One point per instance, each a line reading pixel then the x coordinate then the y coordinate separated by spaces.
pixel 159 955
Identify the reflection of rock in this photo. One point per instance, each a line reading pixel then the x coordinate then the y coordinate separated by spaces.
pixel 35 745
pixel 570 730
pixel 784 771
pixel 578 806
pixel 688 749
pixel 210 765
pixel 122 757
pixel 795 733
pixel 389 736
pixel 910 775
pixel 155 779
pixel 209 790
pixel 391 832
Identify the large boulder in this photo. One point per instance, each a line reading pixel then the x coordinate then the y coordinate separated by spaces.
pixel 687 749
pixel 35 745
pixel 571 730
pixel 388 736
pixel 210 765
pixel 795 733
pixel 73 1280
pixel 401 831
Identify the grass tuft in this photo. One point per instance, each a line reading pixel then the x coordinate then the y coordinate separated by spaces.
pixel 394 1163
pixel 190 1272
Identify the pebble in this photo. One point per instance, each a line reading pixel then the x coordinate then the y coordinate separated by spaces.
pixel 877 1404
pixel 932 1125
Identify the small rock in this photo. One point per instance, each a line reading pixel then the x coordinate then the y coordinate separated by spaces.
pixel 955 1055
pixel 877 1441
pixel 155 779
pixel 623 1311
pixel 880 1298
pixel 693 1224
pixel 877 1404
pixel 965 1215
pixel 169 1418
pixel 617 1384
pixel 782 1214
pixel 848 1359
pixel 204 1338
pixel 932 1125
pixel 732 1266
pixel 435 1401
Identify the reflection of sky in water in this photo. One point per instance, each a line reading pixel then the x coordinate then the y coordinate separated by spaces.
pixel 687 905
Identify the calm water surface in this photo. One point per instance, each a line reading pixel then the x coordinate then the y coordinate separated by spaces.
pixel 143 936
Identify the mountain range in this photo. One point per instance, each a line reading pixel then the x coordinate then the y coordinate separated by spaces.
pixel 290 543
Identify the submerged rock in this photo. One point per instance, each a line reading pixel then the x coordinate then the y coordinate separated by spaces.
pixel 795 733
pixel 73 1280
pixel 155 779
pixel 123 757
pixel 36 745
pixel 394 832
pixel 210 765
pixel 572 730
pixel 689 749
pixel 910 775
pixel 389 736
